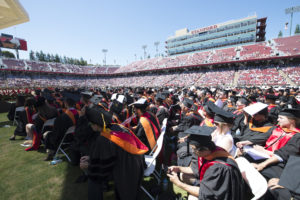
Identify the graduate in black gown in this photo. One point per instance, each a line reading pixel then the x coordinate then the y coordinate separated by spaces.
pixel 162 110
pixel 255 129
pixel 116 152
pixel 220 177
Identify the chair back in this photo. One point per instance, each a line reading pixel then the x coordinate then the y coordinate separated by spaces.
pixel 157 148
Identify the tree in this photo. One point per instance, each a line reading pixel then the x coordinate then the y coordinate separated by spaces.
pixel 37 55
pixel 48 58
pixel 57 59
pixel 42 56
pixel 280 34
pixel 297 30
pixel 31 55
pixel 8 54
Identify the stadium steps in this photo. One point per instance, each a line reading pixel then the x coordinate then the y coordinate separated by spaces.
pixel 197 80
pixel 236 78
pixel 287 78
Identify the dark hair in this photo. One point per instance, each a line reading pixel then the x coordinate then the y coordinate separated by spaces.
pixel 70 102
pixel 30 101
pixel 210 145
pixel 20 101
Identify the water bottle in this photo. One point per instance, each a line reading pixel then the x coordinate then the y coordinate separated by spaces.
pixel 165 184
pixel 55 161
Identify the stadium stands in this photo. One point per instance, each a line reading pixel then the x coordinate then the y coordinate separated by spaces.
pixel 293 73
pixel 263 75
pixel 71 75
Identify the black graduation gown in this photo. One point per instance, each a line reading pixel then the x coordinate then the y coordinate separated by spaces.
pixel 107 158
pixel 39 122
pixel 223 182
pixel 11 112
pixel 61 125
pixel 21 121
pixel 188 121
pixel 238 123
pixel 140 131
pixel 83 136
pixel 162 113
pixel 255 137
pixel 273 114
pixel 292 147
pixel 185 152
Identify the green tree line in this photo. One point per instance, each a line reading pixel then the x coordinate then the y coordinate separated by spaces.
pixel 41 56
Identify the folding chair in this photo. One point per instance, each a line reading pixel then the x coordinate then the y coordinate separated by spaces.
pixel 18 109
pixel 255 180
pixel 151 158
pixel 49 122
pixel 70 130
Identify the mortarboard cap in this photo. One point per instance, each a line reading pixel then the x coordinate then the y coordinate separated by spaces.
pixel 200 135
pixel 99 116
pixel 244 100
pixel 116 107
pixel 290 112
pixel 256 108
pixel 187 102
pixel 114 96
pixel 160 97
pixel 96 99
pixel 141 103
pixel 87 94
pixel 220 114
pixel 73 97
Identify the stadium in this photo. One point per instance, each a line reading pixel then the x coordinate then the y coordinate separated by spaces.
pixel 221 98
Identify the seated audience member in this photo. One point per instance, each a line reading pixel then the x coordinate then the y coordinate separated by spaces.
pixel 116 152
pixel 208 115
pixel 61 125
pixel 162 110
pixel 84 134
pixel 222 135
pixel 272 107
pixel 45 112
pixel 219 175
pixel 239 115
pixel 30 115
pixel 287 186
pixel 288 126
pixel 18 116
pixel 256 129
pixel 148 129
pixel 272 167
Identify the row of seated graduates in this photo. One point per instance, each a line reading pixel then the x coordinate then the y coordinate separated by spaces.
pixel 163 100
pixel 262 131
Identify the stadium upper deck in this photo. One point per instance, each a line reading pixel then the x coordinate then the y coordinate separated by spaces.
pixel 231 33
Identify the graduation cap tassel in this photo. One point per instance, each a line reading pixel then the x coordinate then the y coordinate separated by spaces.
pixel 104 124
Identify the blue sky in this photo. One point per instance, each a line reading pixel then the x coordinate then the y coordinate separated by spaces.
pixel 78 28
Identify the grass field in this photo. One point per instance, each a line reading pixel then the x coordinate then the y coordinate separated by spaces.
pixel 25 176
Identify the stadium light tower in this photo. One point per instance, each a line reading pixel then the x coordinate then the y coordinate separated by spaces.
pixel 104 51
pixel 144 47
pixel 156 45
pixel 291 11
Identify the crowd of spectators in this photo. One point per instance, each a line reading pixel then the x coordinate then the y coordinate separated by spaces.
pixel 246 76
pixel 288 46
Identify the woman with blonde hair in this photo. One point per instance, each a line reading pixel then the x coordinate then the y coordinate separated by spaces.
pixel 222 137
